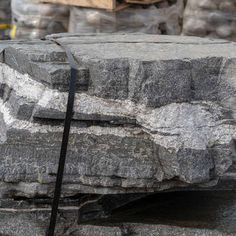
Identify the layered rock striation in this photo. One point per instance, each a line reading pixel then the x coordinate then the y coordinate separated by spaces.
pixel 151 113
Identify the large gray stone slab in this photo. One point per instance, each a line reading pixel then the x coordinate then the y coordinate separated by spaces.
pixel 194 145
pixel 117 70
pixel 149 119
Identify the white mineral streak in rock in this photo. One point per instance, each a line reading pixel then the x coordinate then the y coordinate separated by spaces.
pixel 229 74
pixel 27 87
pixel 12 122
pixel 186 125
pixel 86 104
pixel 3 128
pixel 23 85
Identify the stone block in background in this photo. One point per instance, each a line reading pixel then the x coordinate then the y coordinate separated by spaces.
pixel 160 18
pixel 36 20
pixel 5 11
pixel 210 18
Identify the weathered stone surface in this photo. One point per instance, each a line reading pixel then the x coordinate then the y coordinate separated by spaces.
pixel 124 157
pixel 118 71
pixel 47 66
pixel 145 121
pixel 21 218
pixel 31 216
pixel 158 118
pixel 143 230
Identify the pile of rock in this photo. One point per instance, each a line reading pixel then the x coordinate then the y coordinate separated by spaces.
pixel 5 11
pixel 164 17
pixel 157 118
pixel 36 20
pixel 212 18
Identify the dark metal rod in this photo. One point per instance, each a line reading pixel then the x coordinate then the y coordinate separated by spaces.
pixel 64 145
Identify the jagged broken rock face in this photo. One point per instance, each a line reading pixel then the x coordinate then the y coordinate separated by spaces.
pixel 151 113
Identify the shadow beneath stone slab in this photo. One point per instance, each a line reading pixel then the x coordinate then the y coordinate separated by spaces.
pixel 205 210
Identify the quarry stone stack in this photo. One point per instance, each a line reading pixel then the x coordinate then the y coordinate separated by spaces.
pixel 151 113
pixel 35 20
pixel 163 17
pixel 211 18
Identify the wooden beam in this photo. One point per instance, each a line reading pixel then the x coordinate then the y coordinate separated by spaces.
pixel 102 4
pixel 143 1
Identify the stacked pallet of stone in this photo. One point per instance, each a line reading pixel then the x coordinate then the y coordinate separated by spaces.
pixel 211 18
pixel 5 11
pixel 151 113
pixel 164 17
pixel 36 20
pixel 111 5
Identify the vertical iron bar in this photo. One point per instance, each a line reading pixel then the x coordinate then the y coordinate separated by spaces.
pixel 64 145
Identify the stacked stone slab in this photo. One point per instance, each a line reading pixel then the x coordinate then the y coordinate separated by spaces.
pixel 36 20
pixel 164 17
pixel 212 18
pixel 143 230
pixel 151 113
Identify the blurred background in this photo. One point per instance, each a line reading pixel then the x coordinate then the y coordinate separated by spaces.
pixel 29 19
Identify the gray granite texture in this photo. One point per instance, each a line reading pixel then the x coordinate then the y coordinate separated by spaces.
pixel 151 113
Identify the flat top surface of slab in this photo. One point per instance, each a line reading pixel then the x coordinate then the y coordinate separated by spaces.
pixel 147 47
pixel 136 46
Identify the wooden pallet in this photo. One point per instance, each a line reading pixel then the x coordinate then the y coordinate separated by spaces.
pixel 111 5
pixel 143 1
